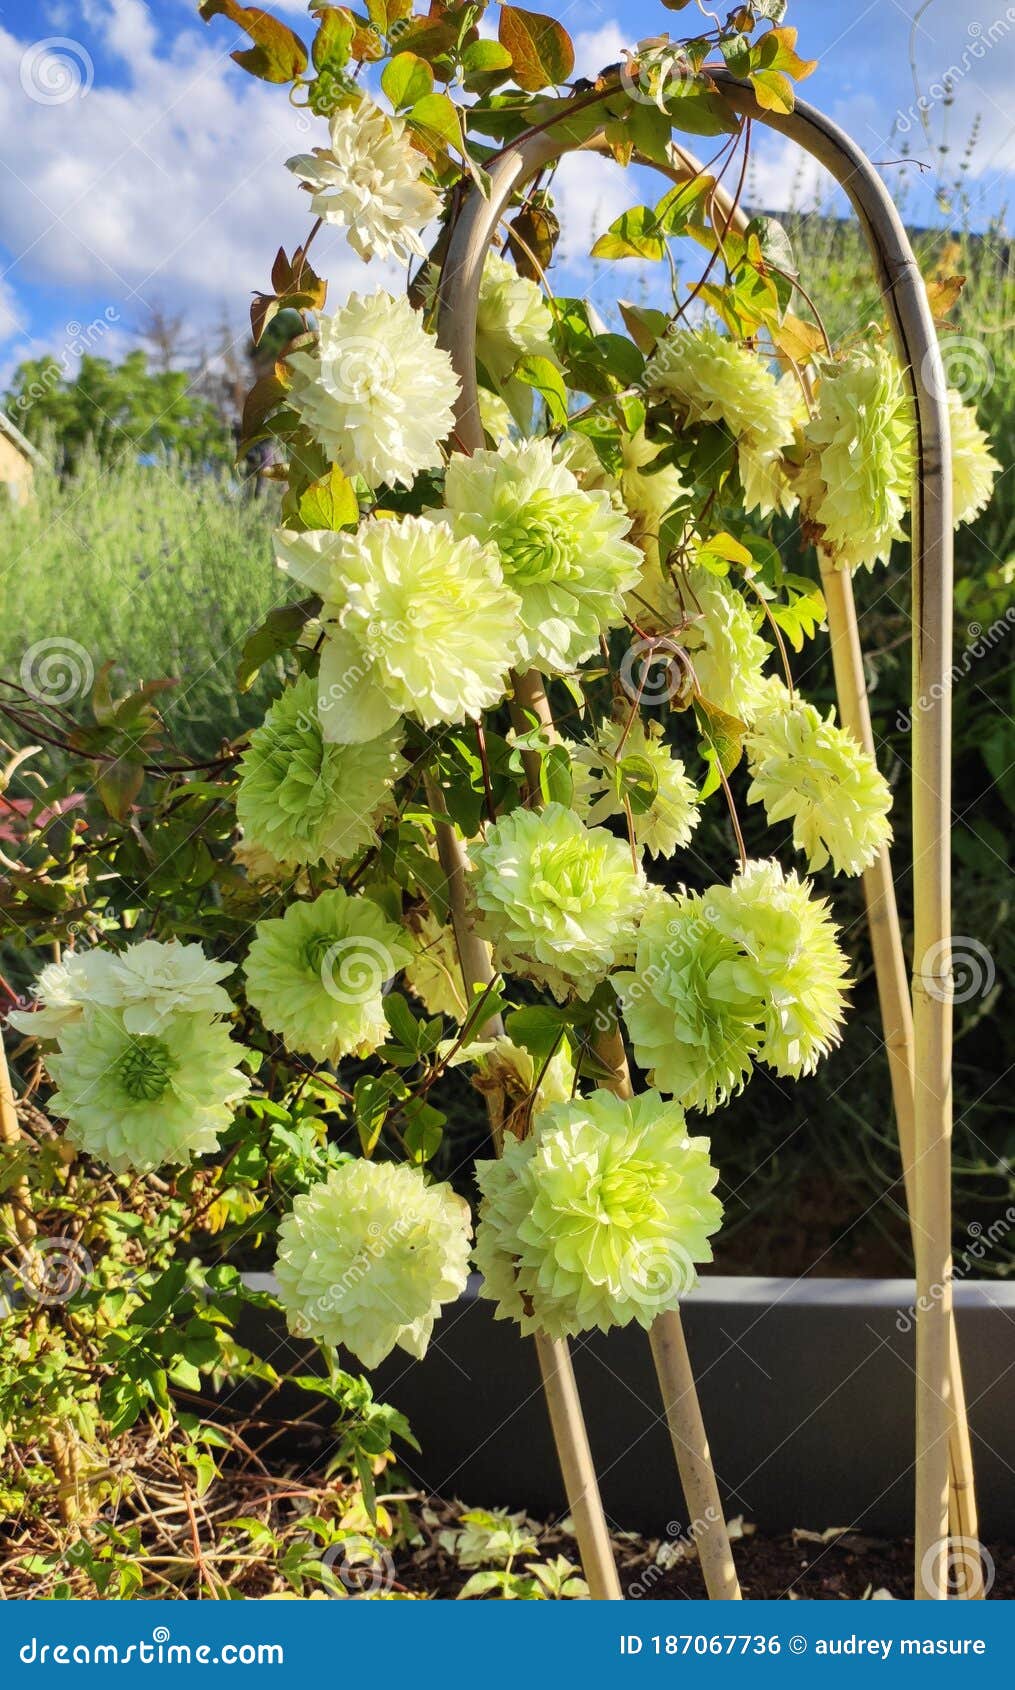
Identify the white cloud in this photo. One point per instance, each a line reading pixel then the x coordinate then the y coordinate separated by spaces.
pixel 11 322
pixel 170 186
pixel 594 49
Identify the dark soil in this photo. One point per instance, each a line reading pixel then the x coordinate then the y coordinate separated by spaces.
pixel 801 1566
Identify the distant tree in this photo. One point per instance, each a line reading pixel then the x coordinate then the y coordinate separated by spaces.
pixel 121 408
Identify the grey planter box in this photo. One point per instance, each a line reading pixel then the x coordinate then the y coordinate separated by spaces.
pixel 806 1387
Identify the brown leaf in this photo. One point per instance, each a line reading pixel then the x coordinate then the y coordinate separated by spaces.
pixel 542 53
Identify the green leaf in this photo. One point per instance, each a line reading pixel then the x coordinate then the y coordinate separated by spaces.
pixel 542 53
pixel 723 734
pixel 406 1027
pixel 333 42
pixel 424 1130
pixel 776 246
pixel 437 116
pixel 277 55
pixel 684 205
pixel 329 503
pixel 555 779
pixel 538 372
pixel 650 132
pixel 774 91
pixel 719 551
pixel 635 234
pixel 484 65
pixel 373 1096
pixel 776 51
pixel 266 395
pixel 118 785
pixel 800 617
pixel 701 111
pixel 644 324
pixel 538 1029
pixel 278 633
pixel 736 50
pixel 638 782
pixel 406 79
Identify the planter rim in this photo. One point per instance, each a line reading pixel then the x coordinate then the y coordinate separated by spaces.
pixel 750 1290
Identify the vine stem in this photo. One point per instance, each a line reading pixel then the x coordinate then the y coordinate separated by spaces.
pixel 581 1486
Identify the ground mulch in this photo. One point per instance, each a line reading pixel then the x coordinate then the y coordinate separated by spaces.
pixel 798 1566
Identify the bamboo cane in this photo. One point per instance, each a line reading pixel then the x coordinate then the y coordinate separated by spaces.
pixel 669 1347
pixel 937 1408
pixel 893 988
pixel 897 1023
pixel 570 1437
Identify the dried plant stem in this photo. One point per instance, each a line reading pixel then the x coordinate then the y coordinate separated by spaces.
pixel 706 1519
pixel 570 1436
pixel 62 1445
pixel 22 1219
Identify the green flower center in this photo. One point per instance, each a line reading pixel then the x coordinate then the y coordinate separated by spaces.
pixel 315 951
pixel 539 542
pixel 144 1069
pixel 626 1194
pixel 561 877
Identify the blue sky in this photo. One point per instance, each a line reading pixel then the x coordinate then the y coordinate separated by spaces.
pixel 151 171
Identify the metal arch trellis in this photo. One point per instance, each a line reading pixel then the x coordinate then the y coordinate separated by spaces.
pixel 918 1039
